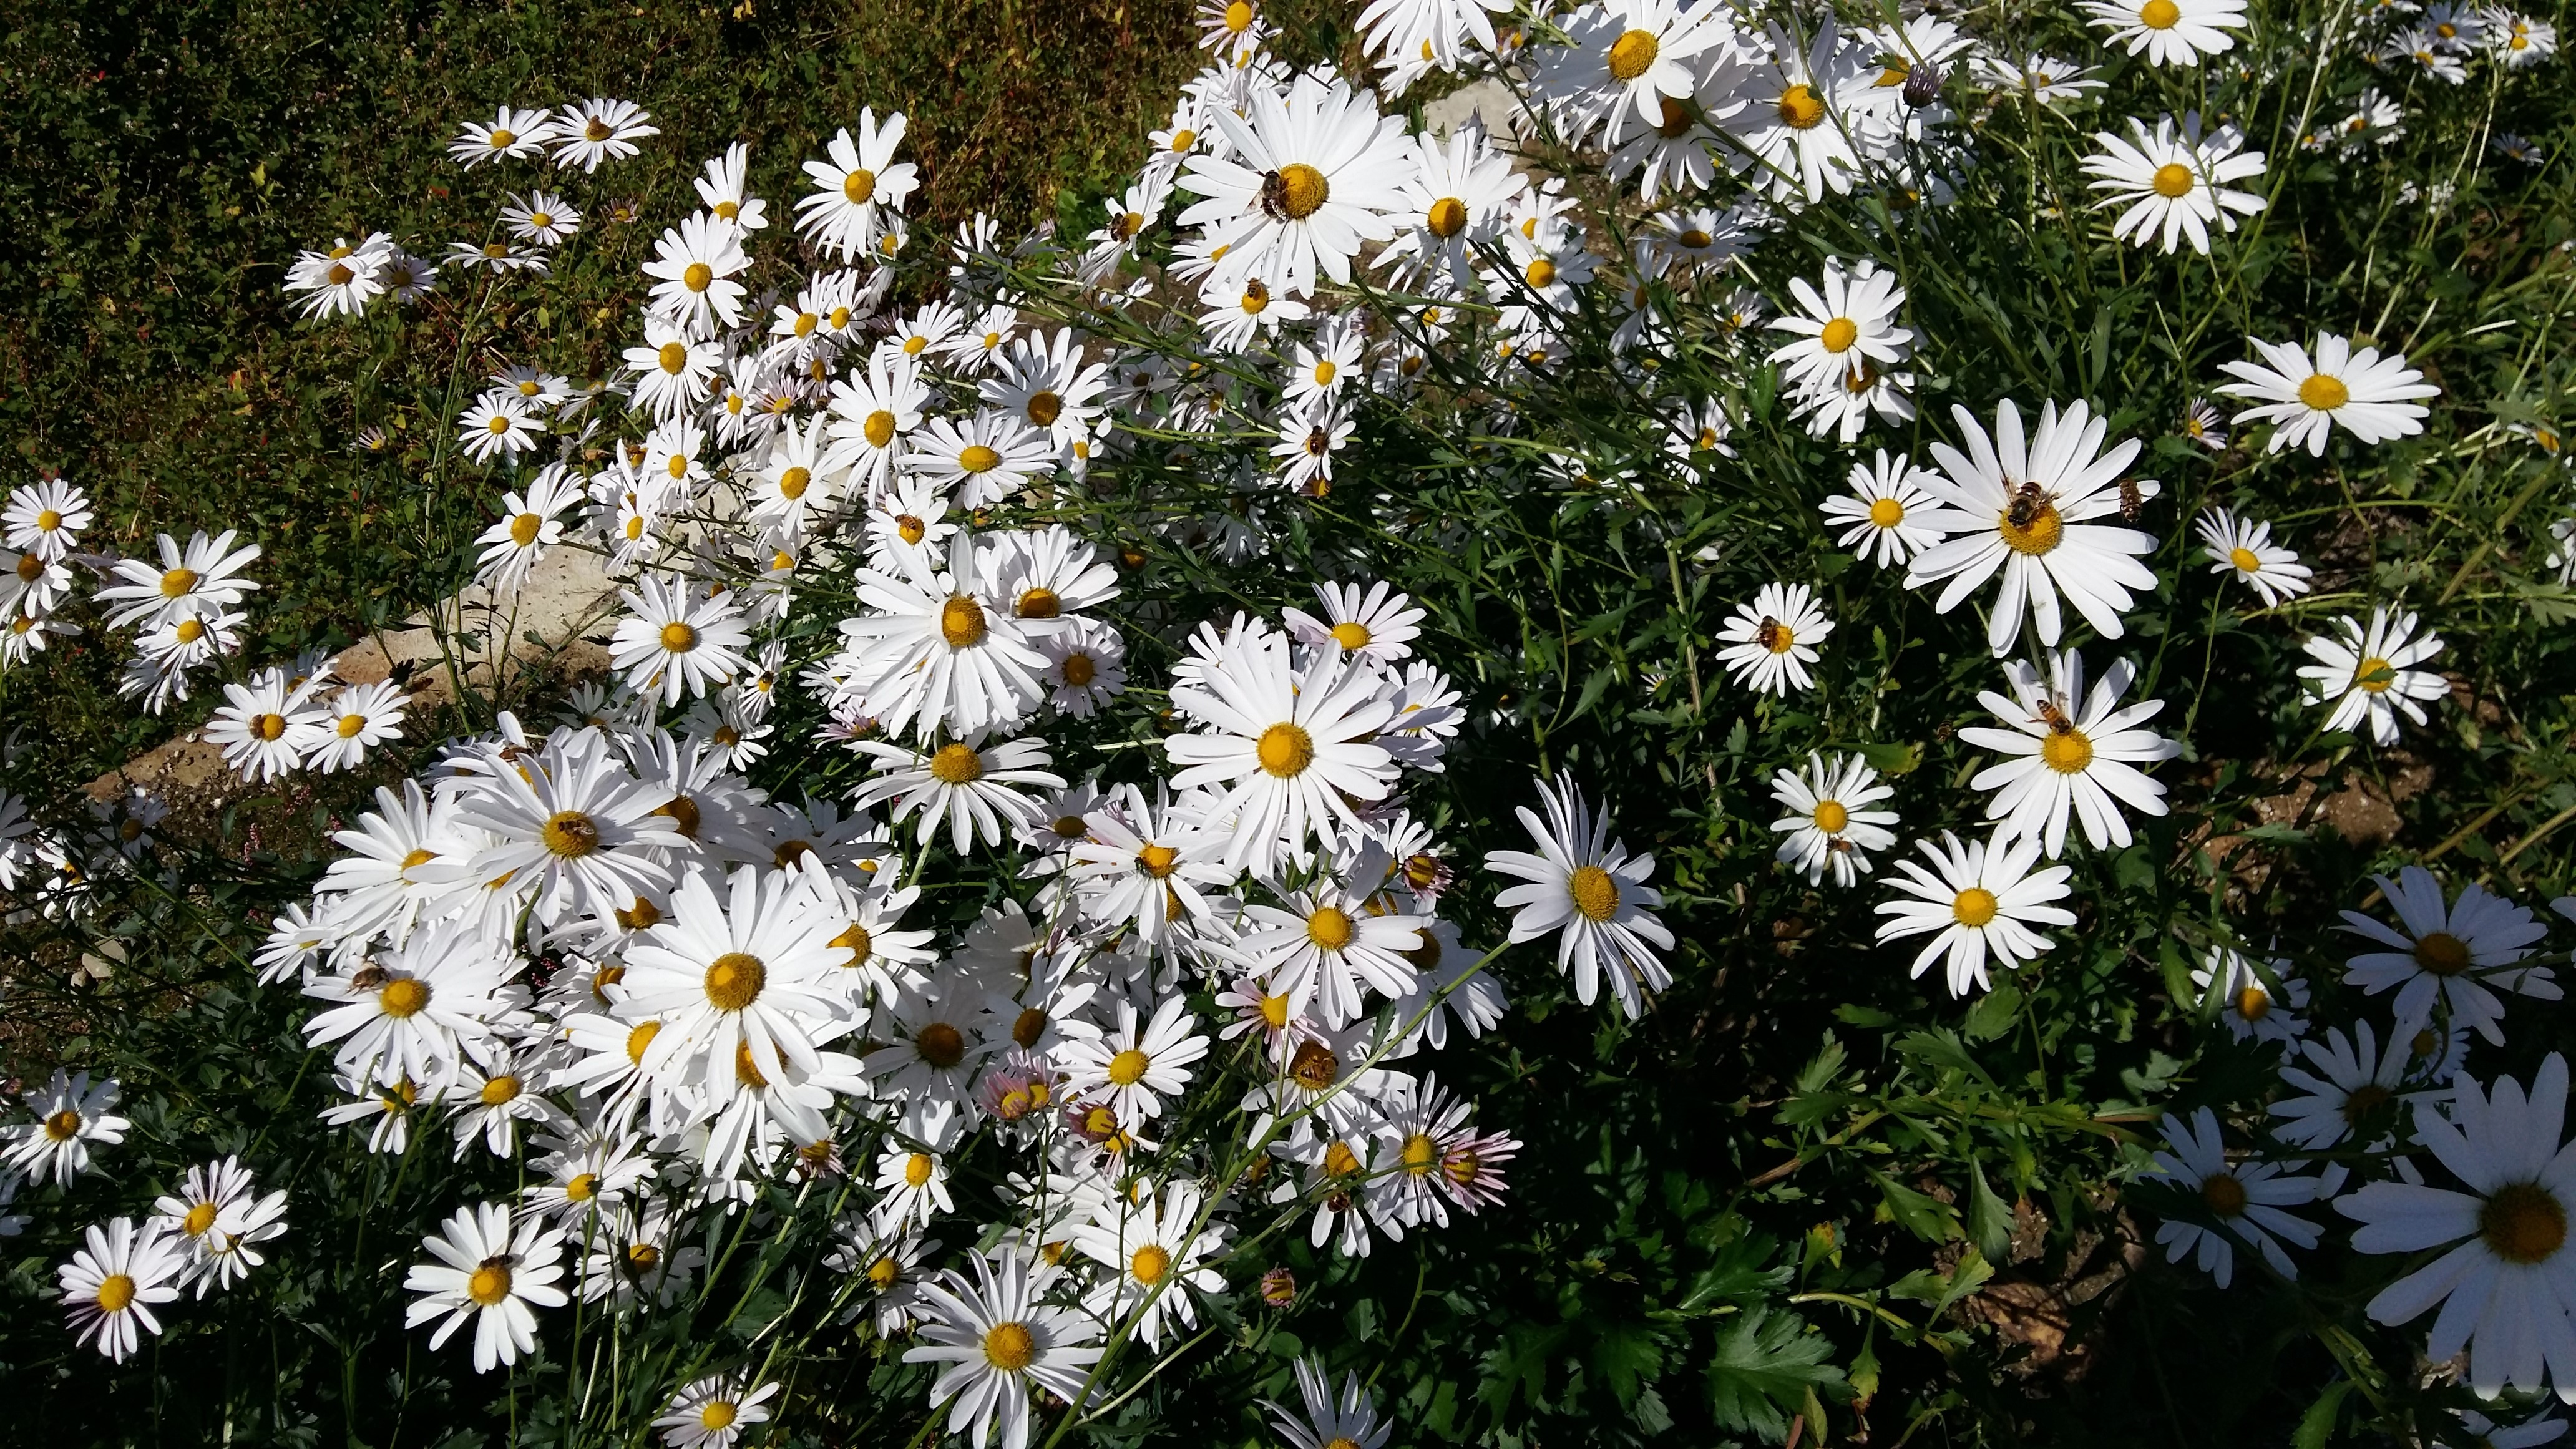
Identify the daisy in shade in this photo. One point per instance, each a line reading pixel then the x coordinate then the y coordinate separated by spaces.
pixel 109 1286
pixel 976 789
pixel 1328 1423
pixel 1587 887
pixel 1287 744
pixel 2368 395
pixel 1131 1068
pixel 2244 548
pixel 217 1218
pixel 2247 1198
pixel 511 132
pixel 1379 625
pixel 693 268
pixel 2459 953
pixel 2368 675
pixel 492 1275
pixel 1086 667
pixel 2503 1289
pixel 70 1115
pixel 2069 752
pixel 713 1412
pixel 2168 32
pixel 46 519
pixel 2174 182
pixel 1976 899
pixel 2258 1003
pixel 203 578
pixel 1315 174
pixel 1830 825
pixel 998 1341
pixel 2024 509
pixel 362 717
pixel 860 191
pixel 677 641
pixel 530 524
pixel 1882 517
pixel 751 974
pixel 1771 641
pixel 2355 1088
pixel 599 130
pixel 1846 327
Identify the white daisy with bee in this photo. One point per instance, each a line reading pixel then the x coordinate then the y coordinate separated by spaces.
pixel 1832 826
pixel 2037 511
pixel 2069 753
pixel 1771 641
pixel 1315 174
pixel 493 1273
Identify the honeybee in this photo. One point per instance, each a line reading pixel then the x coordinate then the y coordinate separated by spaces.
pixel 368 977
pixel 1772 635
pixel 2029 501
pixel 2131 500
pixel 1318 442
pixel 1274 196
pixel 1839 846
pixel 2055 718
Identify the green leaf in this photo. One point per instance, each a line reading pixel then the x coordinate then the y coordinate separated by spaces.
pixel 1828 1064
pixel 1990 1221
pixel 1865 1016
pixel 1924 1216
pixel 1764 1367
pixel 1995 1015
pixel 2316 1426
pixel 1941 1047
pixel 1625 1355
pixel 1896 758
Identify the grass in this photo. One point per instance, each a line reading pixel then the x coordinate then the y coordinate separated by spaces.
pixel 164 161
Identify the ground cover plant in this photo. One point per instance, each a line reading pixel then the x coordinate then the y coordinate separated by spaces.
pixel 1848 726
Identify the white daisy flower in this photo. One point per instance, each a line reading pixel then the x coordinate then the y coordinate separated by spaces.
pixel 1586 886
pixel 529 525
pixel 1830 825
pixel 2257 1003
pixel 2360 391
pixel 998 1341
pixel 1456 194
pixel 859 193
pixel 723 188
pixel 1132 1067
pixel 672 370
pixel 109 1286
pixel 2024 510
pixel 1378 626
pixel 541 218
pixel 217 1220
pixel 266 729
pixel 362 717
pixel 1800 148
pixel 2168 32
pixel 1141 865
pixel 2070 752
pixel 1288 745
pixel 1327 1423
pixel 2355 1089
pixel 2174 183
pixel 1624 59
pixel 2455 954
pixel 1977 899
pixel 678 640
pixel 693 268
pixel 599 130
pixel 2247 1198
pixel 2503 1289
pixel 2243 547
pixel 1315 173
pixel 203 578
pixel 2368 675
pixel 512 132
pixel 577 828
pixel 413 1014
pixel 70 1115
pixel 1881 517
pixel 341 280
pixel 1845 327
pixel 1330 946
pixel 1086 667
pixel 46 518
pixel 976 789
pixel 1771 641
pixel 492 1274
pixel 714 1411
pixel 1156 1255
pixel 749 978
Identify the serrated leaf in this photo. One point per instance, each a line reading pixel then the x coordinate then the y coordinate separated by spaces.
pixel 1921 1214
pixel 1764 1367
pixel 1990 1221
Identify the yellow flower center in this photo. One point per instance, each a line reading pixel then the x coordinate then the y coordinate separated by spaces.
pixel 189 630
pixel 503 138
pixel 2442 953
pixel 1302 190
pixel 679 638
pixel 1831 816
pixel 1632 54
pixel 1040 603
pixel 115 1293
pixel 1976 906
pixel 2253 1003
pixel 1540 273
pixel 1839 335
pixel 1330 927
pixel 860 186
pixel 2172 179
pixel 1886 512
pixel 675 356
pixel 2523 1223
pixel 2067 752
pixel 177 583
pixel 1285 750
pixel 1255 297
pixel 1008 1346
pixel 524 529
pixel 1044 408
pixel 2324 393
pixel 1274 1012
pixel 879 428
pixel 2224 1194
pixel 2375 675
pixel 2032 527
pixel 1801 108
pixel 976 458
pixel 63 1126
pixel 961 622
pixel 200 1217
pixel 341 275
pixel 1351 635
pixel 596 130
pixel 499 1090
pixel 1150 1263
pixel 734 980
pixel 1694 238
pixel 570 834
pixel 956 764
pixel 1420 1155
pixel 718 1414
pixel 884 1271
pixel 698 277
pixel 2160 14
pixel 1157 861
pixel 2244 559
pixel 640 1040
pixel 793 483
pixel 1128 1067
pixel 1340 1160
pixel 268 726
pixel 490 1283
pixel 583 1188
pixel 403 996
pixel 1595 892
pixel 1446 218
